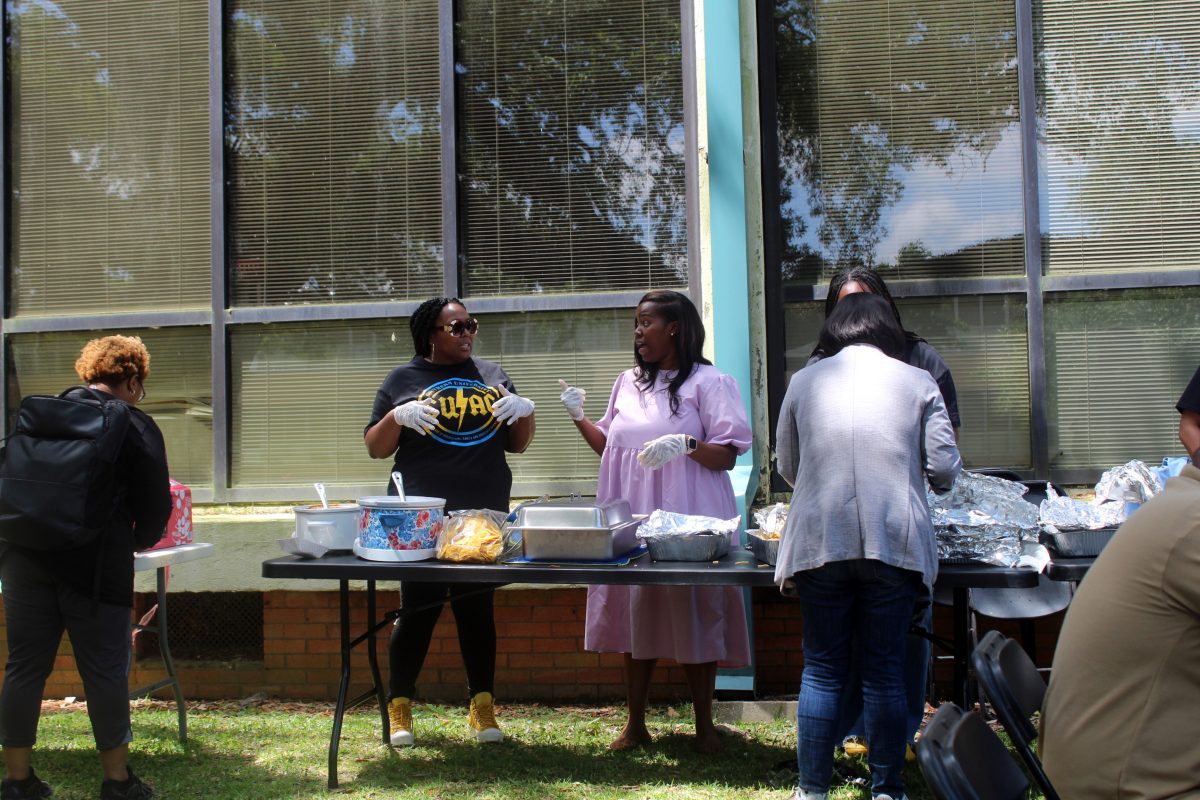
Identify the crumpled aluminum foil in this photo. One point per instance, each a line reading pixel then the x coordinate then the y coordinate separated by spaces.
pixel 983 518
pixel 1128 483
pixel 668 523
pixel 1134 482
pixel 772 520
pixel 1058 514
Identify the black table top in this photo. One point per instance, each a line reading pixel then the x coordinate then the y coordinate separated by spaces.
pixel 739 568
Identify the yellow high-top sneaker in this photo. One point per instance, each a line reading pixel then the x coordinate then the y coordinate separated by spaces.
pixel 400 721
pixel 483 718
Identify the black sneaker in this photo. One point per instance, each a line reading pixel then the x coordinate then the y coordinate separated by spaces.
pixel 25 789
pixel 130 789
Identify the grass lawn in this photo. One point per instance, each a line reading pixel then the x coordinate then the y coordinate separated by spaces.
pixel 278 750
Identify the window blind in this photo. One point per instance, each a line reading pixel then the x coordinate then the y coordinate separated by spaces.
pixel 332 129
pixel 1117 363
pixel 983 340
pixel 1120 88
pixel 571 148
pixel 899 141
pixel 305 393
pixel 178 392
pixel 109 208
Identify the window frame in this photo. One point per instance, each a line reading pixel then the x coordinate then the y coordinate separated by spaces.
pixel 221 318
pixel 1035 284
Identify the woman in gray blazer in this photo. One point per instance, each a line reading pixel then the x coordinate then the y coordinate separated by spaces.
pixel 859 433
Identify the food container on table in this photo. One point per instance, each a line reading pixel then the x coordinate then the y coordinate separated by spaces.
pixel 577 530
pixel 1077 544
pixel 334 528
pixel 696 546
pixel 391 529
pixel 765 549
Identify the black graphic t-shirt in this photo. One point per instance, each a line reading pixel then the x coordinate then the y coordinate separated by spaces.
pixel 462 459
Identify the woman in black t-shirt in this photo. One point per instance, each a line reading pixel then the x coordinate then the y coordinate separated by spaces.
pixel 448 418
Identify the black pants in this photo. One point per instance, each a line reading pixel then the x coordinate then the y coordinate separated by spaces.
pixel 37 609
pixel 473 615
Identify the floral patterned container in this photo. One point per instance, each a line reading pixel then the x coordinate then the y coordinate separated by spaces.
pixel 391 529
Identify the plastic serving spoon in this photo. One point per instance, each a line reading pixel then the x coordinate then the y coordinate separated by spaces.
pixel 398 479
pixel 320 487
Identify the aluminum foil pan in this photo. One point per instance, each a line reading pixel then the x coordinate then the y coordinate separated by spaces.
pixel 703 546
pixel 983 518
pixel 1068 514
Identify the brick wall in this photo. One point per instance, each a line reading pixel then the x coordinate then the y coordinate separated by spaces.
pixel 540 653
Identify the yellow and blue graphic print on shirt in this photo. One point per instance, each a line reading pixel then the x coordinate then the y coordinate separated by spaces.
pixel 464 409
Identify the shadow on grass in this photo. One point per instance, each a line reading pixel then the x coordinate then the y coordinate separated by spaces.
pixel 543 769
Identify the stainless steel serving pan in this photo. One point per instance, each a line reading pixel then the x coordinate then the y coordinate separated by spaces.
pixel 579 543
pixel 573 514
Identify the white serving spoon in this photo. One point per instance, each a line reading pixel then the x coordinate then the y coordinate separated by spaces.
pixel 398 479
pixel 320 487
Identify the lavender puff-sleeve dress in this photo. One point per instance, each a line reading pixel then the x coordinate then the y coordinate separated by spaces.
pixel 690 624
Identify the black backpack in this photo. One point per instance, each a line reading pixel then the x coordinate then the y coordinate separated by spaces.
pixel 59 485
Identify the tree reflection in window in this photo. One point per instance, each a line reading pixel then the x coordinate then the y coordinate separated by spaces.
pixel 571 148
pixel 899 140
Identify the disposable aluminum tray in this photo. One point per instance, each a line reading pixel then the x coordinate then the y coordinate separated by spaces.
pixel 573 514
pixel 688 547
pixel 1077 544
pixel 765 550
pixel 579 543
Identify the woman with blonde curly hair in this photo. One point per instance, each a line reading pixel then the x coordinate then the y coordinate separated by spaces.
pixel 86 591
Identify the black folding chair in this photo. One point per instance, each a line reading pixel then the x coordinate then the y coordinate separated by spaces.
pixel 962 759
pixel 1015 688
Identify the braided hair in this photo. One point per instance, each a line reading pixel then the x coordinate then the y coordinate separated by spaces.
pixel 872 281
pixel 420 324
pixel 689 343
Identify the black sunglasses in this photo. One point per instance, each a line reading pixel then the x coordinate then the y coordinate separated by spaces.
pixel 458 327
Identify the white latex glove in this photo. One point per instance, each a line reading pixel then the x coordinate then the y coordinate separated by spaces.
pixel 657 452
pixel 511 407
pixel 420 415
pixel 572 398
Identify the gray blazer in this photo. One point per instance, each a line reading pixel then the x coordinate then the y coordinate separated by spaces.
pixel 858 434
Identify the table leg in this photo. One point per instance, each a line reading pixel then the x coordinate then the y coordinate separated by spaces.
pixel 339 709
pixel 159 629
pixel 373 659
pixel 164 647
pixel 962 644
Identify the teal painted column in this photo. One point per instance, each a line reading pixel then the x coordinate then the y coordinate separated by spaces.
pixel 727 208
pixel 728 230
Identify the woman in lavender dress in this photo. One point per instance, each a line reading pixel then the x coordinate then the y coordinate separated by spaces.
pixel 673 428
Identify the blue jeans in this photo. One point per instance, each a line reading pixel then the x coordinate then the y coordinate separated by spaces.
pixel 848 605
pixel 917 651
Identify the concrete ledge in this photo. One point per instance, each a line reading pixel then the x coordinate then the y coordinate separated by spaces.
pixel 753 710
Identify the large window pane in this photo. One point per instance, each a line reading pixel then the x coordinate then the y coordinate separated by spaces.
pixel 178 392
pixel 1117 363
pixel 571 125
pixel 899 140
pixel 984 342
pixel 303 394
pixel 332 132
pixel 109 208
pixel 1120 85
pixel 588 350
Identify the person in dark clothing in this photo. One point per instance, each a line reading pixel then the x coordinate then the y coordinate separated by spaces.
pixel 448 418
pixel 917 351
pixel 1189 416
pixel 88 592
